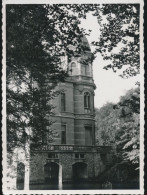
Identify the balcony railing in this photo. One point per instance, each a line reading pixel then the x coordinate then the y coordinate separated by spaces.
pixel 81 77
pixel 70 148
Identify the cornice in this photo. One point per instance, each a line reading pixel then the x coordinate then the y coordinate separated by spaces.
pixel 76 116
pixel 75 82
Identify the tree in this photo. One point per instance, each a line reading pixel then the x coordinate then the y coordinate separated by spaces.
pixel 125 31
pixel 129 140
pixel 37 37
pixel 106 117
pixel 119 124
pixel 119 39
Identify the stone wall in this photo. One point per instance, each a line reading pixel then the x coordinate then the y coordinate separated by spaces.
pixel 94 165
pixel 37 162
pixel 66 162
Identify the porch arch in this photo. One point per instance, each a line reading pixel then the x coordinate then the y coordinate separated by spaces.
pixel 79 171
pixel 53 173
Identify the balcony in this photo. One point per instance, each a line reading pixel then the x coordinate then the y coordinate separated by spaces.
pixel 71 148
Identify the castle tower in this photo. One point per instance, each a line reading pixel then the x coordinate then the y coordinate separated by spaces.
pixel 73 154
pixel 74 112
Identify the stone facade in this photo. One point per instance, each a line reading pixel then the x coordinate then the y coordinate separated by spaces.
pixel 66 160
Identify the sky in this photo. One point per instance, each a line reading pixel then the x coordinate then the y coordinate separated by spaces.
pixel 110 86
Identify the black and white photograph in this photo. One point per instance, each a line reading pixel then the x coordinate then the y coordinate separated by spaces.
pixel 73 97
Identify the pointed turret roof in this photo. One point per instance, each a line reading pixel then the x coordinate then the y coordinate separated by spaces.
pixel 83 47
pixel 85 43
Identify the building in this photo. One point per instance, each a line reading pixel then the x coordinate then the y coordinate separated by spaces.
pixel 73 155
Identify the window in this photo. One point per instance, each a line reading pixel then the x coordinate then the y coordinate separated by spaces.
pixel 52 155
pixel 44 138
pixel 86 100
pixel 88 135
pixel 73 66
pixel 79 156
pixel 63 134
pixel 76 155
pixel 63 107
pixel 85 70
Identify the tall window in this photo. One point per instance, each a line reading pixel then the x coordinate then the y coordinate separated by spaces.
pixel 73 66
pixel 86 100
pixel 63 106
pixel 85 70
pixel 63 133
pixel 88 135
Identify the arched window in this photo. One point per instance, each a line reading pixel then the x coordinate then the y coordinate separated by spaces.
pixel 73 66
pixel 86 100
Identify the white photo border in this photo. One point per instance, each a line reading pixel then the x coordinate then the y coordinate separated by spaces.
pixel 4 125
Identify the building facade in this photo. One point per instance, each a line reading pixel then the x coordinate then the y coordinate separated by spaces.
pixel 73 155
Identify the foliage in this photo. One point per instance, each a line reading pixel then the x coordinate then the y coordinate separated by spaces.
pixel 129 139
pixel 105 120
pixel 119 124
pixel 37 37
pixel 119 39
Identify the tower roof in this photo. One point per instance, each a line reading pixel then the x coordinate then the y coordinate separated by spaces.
pixel 85 44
